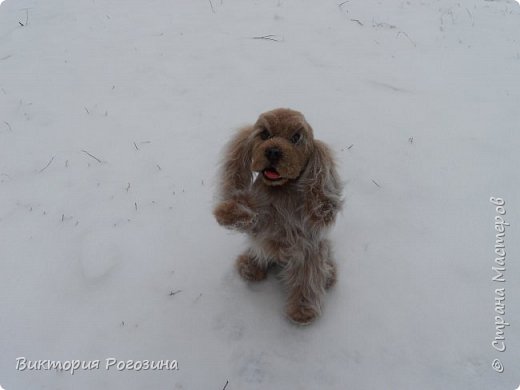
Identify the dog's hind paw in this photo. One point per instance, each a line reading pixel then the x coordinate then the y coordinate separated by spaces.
pixel 302 314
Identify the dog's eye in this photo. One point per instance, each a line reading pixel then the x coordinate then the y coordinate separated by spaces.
pixel 295 138
pixel 264 134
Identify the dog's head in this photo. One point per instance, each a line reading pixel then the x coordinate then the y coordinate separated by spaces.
pixel 281 146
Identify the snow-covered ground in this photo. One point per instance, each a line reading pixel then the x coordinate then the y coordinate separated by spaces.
pixel 112 117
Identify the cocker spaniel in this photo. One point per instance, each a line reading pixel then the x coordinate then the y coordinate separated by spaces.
pixel 280 186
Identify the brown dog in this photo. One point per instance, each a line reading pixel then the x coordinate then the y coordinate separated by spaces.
pixel 286 210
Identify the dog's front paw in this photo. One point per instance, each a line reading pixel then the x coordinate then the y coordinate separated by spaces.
pixel 324 213
pixel 249 270
pixel 302 314
pixel 331 277
pixel 235 215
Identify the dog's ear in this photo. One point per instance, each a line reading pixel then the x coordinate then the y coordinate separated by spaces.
pixel 321 185
pixel 236 171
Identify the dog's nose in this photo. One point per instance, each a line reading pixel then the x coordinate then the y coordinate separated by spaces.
pixel 273 154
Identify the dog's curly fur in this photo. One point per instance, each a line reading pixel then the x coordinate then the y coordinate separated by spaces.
pixel 286 210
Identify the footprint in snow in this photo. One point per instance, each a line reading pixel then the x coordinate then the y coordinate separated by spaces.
pixel 100 254
pixel 253 368
pixel 230 328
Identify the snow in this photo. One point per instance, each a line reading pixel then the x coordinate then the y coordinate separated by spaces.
pixel 112 118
